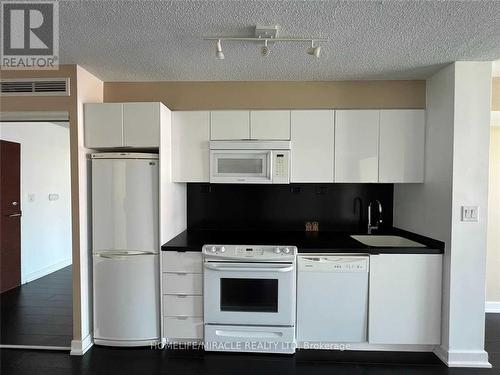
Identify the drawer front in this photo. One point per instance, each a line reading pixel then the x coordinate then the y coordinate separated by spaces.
pixel 182 305
pixel 183 328
pixel 174 261
pixel 188 283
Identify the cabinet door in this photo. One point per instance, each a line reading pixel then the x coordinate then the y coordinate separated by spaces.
pixel 226 125
pixel 356 145
pixel 141 124
pixel 312 136
pixel 402 142
pixel 270 125
pixel 103 125
pixel 405 299
pixel 190 152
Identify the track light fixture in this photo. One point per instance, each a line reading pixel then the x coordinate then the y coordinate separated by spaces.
pixel 314 51
pixel 218 50
pixel 265 49
pixel 266 34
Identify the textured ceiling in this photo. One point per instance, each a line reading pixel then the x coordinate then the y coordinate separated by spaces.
pixel 161 40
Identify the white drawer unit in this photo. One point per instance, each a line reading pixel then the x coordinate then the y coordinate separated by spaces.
pixel 182 305
pixel 176 261
pixel 184 283
pixel 182 299
pixel 183 327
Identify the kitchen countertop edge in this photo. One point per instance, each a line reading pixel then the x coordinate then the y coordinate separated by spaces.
pixel 193 240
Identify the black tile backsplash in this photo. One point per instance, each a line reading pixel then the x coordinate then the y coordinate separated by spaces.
pixel 285 207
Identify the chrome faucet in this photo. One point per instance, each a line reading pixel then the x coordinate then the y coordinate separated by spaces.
pixel 379 220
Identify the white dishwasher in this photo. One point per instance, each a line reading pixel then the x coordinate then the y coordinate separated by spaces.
pixel 332 299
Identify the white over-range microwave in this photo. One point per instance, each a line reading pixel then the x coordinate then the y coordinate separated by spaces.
pixel 250 162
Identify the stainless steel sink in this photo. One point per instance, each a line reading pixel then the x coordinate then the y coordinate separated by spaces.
pixel 385 241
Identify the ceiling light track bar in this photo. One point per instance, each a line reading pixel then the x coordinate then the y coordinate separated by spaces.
pixel 255 39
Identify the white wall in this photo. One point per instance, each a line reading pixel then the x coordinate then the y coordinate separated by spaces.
pixel 173 203
pixel 493 257
pixel 457 139
pixel 45 169
pixel 89 90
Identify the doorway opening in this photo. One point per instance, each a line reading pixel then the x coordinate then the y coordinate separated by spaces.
pixel 36 247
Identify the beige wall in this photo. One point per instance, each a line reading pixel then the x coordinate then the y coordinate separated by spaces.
pixel 495 97
pixel 278 94
pixel 493 264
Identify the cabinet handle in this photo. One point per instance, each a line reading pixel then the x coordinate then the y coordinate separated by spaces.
pixel 182 317
pixel 181 295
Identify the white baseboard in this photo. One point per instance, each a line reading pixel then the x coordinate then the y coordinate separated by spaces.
pixel 466 358
pixel 36 347
pixel 79 347
pixel 365 347
pixel 45 271
pixel 492 307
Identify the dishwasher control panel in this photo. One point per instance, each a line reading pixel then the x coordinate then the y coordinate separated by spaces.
pixel 334 263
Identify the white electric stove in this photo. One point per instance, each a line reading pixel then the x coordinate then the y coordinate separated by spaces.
pixel 249 298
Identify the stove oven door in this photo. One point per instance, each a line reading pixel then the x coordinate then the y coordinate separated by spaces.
pixel 249 293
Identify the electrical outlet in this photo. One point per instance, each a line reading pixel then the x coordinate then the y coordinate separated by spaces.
pixel 470 213
pixel 31 197
pixel 53 197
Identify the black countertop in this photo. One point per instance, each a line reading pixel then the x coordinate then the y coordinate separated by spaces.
pixel 306 242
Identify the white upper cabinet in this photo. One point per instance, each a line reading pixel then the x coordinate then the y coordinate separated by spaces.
pixel 190 142
pixel 312 136
pixel 356 145
pixel 113 125
pixel 402 143
pixel 141 124
pixel 227 125
pixel 103 125
pixel 405 299
pixel 270 125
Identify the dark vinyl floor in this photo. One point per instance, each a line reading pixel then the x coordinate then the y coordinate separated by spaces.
pixel 39 312
pixel 100 360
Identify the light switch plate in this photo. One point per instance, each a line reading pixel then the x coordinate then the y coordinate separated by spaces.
pixel 470 213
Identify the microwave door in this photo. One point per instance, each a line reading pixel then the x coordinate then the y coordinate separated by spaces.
pixel 240 166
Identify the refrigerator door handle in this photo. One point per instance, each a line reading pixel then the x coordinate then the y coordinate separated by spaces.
pixel 122 254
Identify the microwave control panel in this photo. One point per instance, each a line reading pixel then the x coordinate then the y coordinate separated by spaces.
pixel 281 166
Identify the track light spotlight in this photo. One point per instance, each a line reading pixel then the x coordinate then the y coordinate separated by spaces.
pixel 265 49
pixel 314 51
pixel 218 50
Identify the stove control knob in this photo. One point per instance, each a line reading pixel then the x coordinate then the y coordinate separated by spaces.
pixel 222 249
pixel 213 249
pixel 277 250
pixel 287 250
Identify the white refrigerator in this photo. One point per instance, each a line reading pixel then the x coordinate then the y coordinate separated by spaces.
pixel 125 246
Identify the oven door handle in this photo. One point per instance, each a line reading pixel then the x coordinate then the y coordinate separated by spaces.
pixel 245 268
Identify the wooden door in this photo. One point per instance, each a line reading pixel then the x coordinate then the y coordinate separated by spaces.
pixel 10 215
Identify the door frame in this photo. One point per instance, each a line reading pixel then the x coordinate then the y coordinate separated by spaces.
pixel 54 117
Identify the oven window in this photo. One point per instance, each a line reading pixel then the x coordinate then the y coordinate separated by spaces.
pixel 234 165
pixel 249 295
